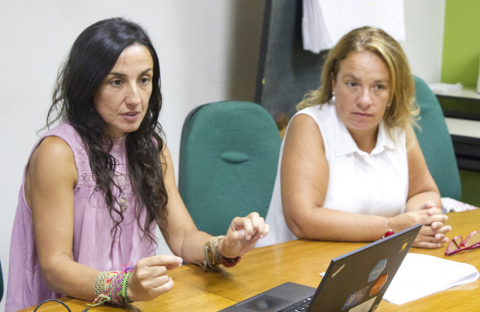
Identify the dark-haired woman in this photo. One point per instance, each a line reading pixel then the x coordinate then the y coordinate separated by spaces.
pixel 96 186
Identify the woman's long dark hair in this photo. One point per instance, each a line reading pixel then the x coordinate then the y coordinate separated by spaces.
pixel 91 58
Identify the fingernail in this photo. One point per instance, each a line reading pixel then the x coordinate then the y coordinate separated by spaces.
pixel 261 236
pixel 248 237
pixel 179 260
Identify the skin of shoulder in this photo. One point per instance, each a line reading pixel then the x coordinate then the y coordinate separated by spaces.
pixel 52 154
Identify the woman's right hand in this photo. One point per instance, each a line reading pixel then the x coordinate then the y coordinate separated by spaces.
pixel 150 278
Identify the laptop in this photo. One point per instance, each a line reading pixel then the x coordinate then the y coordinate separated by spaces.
pixel 353 282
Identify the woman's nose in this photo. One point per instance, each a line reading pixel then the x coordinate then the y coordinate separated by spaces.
pixel 133 96
pixel 365 99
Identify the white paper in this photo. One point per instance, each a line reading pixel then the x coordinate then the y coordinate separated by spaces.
pixel 422 275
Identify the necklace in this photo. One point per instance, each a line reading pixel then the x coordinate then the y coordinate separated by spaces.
pixel 123 202
pixel 123 199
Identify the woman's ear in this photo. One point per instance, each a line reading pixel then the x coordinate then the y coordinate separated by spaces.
pixel 334 82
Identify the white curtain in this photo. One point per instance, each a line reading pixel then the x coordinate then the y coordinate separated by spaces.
pixel 326 21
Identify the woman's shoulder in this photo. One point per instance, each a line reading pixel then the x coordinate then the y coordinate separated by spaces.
pixel 321 113
pixel 64 130
pixel 63 142
pixel 53 148
pixel 68 134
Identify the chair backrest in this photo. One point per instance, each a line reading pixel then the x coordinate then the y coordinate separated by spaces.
pixel 436 143
pixel 228 163
pixel 1 282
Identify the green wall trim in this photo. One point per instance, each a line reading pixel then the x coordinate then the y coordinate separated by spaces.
pixel 461 42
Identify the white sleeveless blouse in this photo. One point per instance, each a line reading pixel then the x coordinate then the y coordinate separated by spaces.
pixel 362 183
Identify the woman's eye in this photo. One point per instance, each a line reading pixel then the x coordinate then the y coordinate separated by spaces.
pixel 380 87
pixel 351 84
pixel 116 82
pixel 145 80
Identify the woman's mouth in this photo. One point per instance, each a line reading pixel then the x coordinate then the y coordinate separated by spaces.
pixel 131 116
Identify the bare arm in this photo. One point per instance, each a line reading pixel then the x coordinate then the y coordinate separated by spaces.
pixel 182 235
pixel 304 176
pixel 421 186
pixel 185 240
pixel 423 198
pixel 49 184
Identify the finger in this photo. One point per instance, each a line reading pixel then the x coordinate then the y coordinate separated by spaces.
pixel 164 288
pixel 427 205
pixel 426 230
pixel 426 238
pixel 242 224
pixel 445 229
pixel 440 227
pixel 159 281
pixel 263 233
pixel 435 218
pixel 441 238
pixel 150 272
pixel 260 228
pixel 162 260
pixel 266 231
pixel 234 236
pixel 427 245
pixel 435 211
pixel 257 221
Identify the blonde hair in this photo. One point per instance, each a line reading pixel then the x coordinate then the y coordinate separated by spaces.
pixel 403 109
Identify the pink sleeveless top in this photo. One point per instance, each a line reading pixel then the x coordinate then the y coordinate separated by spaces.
pixel 92 240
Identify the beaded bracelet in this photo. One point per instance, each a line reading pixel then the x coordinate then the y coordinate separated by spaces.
pixel 111 286
pixel 217 258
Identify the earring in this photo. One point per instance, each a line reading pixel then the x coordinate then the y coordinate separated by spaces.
pixel 333 97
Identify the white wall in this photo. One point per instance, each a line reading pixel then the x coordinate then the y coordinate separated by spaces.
pixel 208 52
pixel 424 23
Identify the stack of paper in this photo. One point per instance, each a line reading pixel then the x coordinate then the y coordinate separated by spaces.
pixel 326 21
pixel 421 275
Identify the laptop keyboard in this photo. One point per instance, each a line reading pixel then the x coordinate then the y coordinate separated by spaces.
pixel 300 306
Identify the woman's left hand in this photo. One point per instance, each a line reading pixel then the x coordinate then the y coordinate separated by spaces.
pixel 242 235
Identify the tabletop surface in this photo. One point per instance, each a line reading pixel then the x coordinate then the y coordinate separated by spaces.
pixel 297 261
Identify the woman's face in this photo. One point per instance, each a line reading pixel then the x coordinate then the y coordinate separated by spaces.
pixel 362 90
pixel 122 98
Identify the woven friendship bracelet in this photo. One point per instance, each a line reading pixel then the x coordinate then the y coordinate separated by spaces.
pixel 114 287
pixel 99 286
pixel 123 292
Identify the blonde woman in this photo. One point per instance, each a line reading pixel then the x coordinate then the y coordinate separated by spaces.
pixel 350 166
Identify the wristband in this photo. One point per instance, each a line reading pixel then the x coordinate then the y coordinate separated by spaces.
pixel 111 286
pixel 389 232
pixel 216 258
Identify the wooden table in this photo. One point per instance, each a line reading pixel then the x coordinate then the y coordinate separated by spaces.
pixel 296 261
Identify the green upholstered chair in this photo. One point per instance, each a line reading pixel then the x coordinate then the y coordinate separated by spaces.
pixel 1 282
pixel 228 163
pixel 436 143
